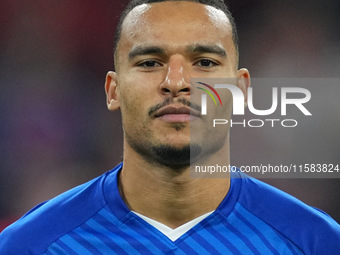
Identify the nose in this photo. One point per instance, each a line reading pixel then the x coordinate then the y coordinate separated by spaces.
pixel 177 80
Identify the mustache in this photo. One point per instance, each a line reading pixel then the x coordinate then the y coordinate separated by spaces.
pixel 169 101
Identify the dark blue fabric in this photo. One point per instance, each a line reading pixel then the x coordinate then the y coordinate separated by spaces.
pixel 254 218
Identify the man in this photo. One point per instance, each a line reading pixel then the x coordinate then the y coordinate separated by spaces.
pixel 150 204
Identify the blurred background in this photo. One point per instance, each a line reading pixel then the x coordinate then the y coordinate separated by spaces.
pixel 55 130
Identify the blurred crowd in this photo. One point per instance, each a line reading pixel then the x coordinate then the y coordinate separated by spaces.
pixel 55 129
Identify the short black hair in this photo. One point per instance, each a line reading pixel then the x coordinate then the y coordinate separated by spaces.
pixel 218 4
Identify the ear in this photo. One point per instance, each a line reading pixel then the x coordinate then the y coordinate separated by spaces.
pixel 243 82
pixel 111 89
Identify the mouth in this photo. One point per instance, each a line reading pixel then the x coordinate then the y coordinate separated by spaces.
pixel 175 114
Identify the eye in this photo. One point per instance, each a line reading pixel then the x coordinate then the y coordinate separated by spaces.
pixel 206 63
pixel 149 64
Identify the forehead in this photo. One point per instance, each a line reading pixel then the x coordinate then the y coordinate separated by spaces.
pixel 184 9
pixel 175 22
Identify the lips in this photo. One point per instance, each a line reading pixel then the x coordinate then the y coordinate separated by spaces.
pixel 176 114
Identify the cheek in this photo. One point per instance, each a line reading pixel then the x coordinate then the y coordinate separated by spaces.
pixel 134 108
pixel 140 91
pixel 133 117
pixel 128 94
pixel 131 105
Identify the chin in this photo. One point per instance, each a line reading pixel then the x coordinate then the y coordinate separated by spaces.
pixel 176 156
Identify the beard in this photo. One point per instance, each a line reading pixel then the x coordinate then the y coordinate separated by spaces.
pixel 167 155
pixel 174 157
pixel 156 153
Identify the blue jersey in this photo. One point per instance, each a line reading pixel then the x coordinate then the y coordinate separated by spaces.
pixel 254 218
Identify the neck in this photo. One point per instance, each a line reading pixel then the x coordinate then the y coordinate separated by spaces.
pixel 170 197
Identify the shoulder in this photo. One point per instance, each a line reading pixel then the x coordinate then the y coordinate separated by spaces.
pixel 309 228
pixel 45 223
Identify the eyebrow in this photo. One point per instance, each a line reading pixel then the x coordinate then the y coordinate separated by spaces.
pixel 147 50
pixel 196 48
pixel 213 48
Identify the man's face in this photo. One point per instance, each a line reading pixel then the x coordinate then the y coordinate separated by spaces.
pixel 162 46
